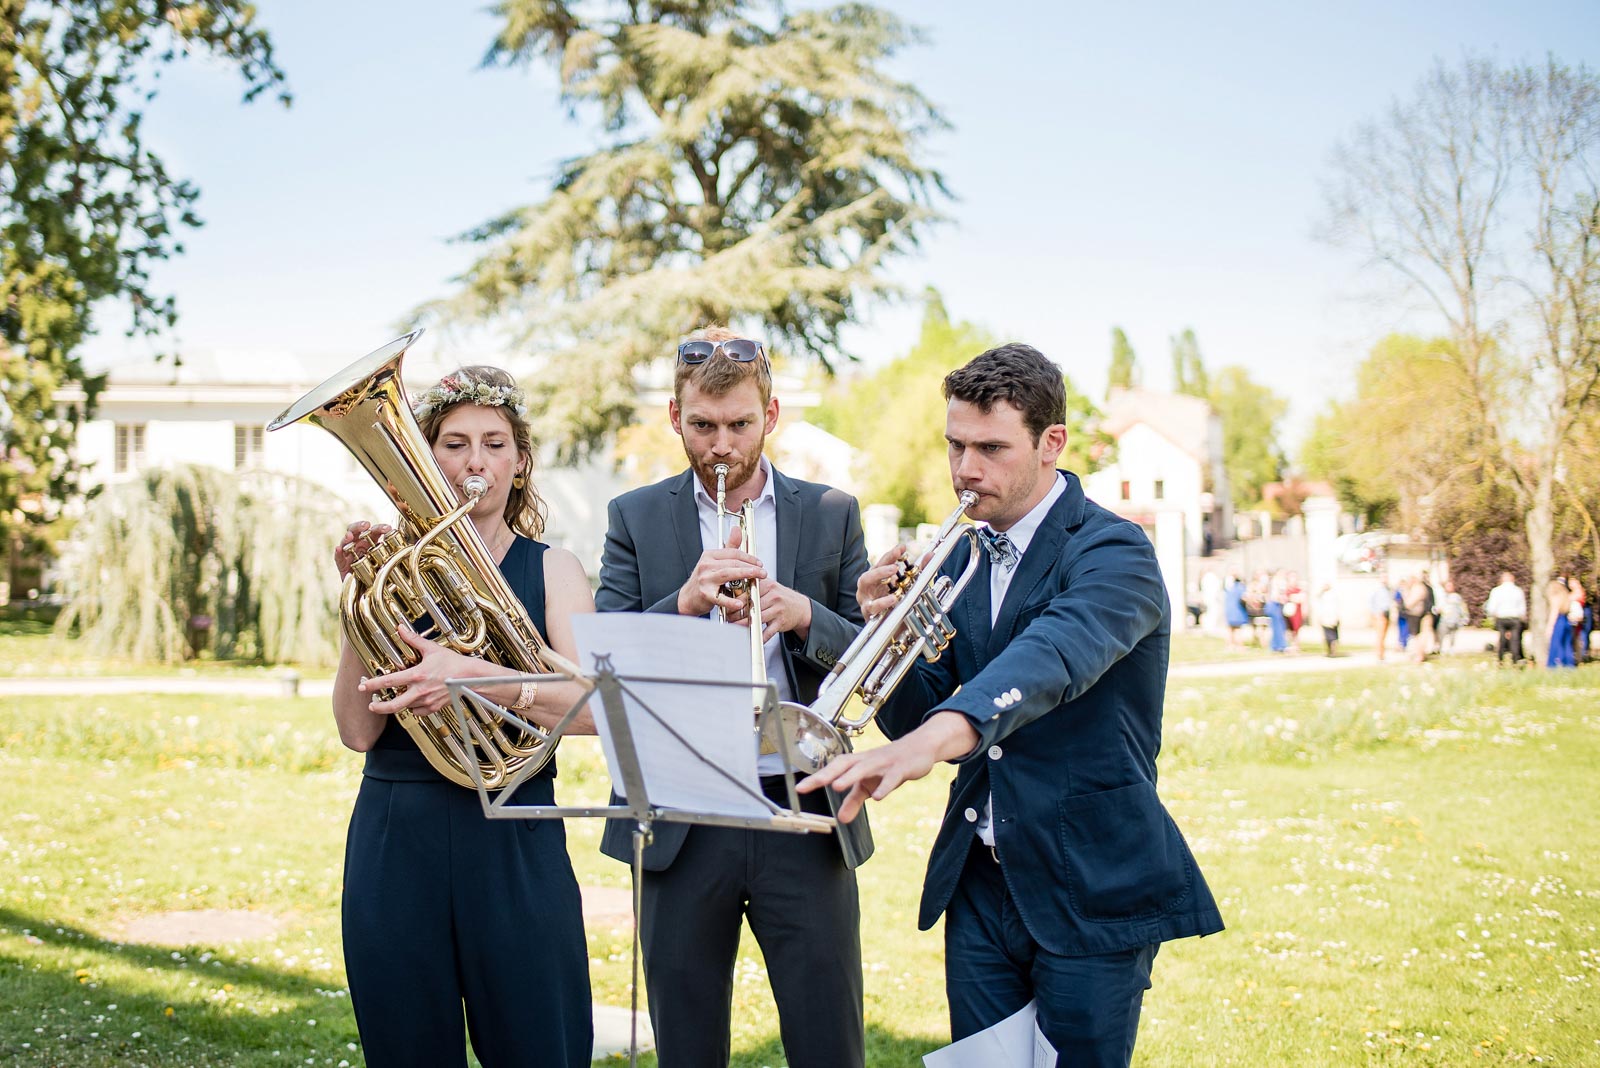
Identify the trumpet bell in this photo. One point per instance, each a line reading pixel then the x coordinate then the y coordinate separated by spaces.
pixel 813 741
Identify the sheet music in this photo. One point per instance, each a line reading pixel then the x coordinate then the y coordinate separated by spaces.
pixel 715 720
pixel 1015 1042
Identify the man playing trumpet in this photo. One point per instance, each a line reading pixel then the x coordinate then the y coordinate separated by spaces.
pixel 665 552
pixel 1057 869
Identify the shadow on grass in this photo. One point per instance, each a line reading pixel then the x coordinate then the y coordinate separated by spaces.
pixel 67 1021
pixel 77 1026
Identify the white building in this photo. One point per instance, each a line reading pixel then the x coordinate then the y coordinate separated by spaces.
pixel 1169 458
pixel 214 408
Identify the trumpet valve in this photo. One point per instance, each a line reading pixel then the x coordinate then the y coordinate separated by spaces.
pixel 905 575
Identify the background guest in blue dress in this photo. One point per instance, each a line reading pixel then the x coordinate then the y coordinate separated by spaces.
pixel 1558 626
pixel 1238 616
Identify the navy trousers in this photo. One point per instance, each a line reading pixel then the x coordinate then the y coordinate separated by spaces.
pixel 1088 1006
pixel 454 923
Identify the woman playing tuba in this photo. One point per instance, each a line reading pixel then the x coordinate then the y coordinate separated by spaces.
pixel 444 909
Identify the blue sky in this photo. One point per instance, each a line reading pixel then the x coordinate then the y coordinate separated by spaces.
pixel 1153 166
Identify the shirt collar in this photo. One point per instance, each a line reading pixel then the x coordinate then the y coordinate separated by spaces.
pixel 1022 531
pixel 768 493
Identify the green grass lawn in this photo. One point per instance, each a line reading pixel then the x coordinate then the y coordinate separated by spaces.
pixel 1406 859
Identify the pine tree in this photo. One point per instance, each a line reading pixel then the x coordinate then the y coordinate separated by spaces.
pixel 758 167
pixel 1188 369
pixel 1124 372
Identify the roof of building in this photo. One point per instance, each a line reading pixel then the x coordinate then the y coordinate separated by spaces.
pixel 238 367
pixel 1183 420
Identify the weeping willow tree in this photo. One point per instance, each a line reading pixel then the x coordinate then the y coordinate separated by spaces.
pixel 192 558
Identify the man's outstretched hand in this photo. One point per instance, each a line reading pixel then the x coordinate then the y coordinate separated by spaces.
pixel 876 773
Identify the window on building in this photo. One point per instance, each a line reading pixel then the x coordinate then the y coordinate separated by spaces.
pixel 247 446
pixel 1127 490
pixel 130 447
pixel 1161 489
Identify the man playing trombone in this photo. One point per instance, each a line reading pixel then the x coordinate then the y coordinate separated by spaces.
pixel 1057 869
pixel 666 550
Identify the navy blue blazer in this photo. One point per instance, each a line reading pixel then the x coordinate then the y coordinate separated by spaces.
pixel 652 544
pixel 1066 693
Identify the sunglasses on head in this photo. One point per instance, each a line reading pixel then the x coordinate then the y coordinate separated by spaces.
pixel 739 350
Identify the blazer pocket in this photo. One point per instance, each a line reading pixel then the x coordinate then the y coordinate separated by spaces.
pixel 1125 860
pixel 815 565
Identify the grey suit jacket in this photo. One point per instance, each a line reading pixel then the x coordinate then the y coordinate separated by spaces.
pixel 652 544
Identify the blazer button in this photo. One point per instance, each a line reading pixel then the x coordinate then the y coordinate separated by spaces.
pixel 971 815
pixel 994 752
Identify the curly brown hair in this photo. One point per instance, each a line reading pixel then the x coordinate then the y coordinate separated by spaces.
pixel 1015 373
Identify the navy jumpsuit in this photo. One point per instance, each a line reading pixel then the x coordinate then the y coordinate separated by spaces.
pixel 455 924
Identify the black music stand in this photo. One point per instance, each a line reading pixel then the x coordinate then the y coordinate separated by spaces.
pixel 612 686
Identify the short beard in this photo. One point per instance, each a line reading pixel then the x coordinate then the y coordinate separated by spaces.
pixel 738 474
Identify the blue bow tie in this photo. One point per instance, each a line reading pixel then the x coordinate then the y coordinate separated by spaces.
pixel 1001 551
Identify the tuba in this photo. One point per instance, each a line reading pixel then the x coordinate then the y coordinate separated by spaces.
pixel 433 567
pixel 886 648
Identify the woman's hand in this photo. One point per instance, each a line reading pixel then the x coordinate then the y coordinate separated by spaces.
pixel 359 538
pixel 421 686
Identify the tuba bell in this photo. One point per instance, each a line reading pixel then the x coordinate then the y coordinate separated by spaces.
pixel 868 671
pixel 432 568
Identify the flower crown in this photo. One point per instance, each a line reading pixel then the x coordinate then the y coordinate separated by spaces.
pixel 453 389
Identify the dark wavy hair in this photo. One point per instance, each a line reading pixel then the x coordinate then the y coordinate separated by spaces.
pixel 1018 374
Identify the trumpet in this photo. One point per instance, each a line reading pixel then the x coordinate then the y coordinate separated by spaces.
pixel 746 518
pixel 886 649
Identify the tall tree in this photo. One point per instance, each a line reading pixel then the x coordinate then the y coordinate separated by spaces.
pixel 1250 414
pixel 85 205
pixel 1408 431
pixel 895 416
pixel 1188 368
pixel 1481 193
pixel 1124 372
pixel 757 167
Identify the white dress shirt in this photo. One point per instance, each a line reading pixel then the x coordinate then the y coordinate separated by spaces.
pixel 1021 534
pixel 1506 601
pixel 767 553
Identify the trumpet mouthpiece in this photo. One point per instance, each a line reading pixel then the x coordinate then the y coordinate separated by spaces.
pixel 720 470
pixel 475 485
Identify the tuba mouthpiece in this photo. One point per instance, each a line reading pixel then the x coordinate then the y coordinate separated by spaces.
pixel 475 485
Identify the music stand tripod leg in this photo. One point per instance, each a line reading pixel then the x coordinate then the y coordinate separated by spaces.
pixel 641 836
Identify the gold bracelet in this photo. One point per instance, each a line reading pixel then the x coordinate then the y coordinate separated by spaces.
pixel 526 695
